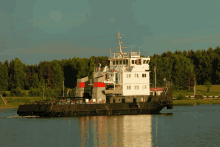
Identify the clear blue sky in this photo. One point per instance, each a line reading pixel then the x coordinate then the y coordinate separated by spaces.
pixel 38 30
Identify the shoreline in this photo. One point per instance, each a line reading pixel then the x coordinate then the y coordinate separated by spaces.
pixel 175 103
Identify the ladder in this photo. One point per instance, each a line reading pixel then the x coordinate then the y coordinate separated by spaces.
pixel 3 99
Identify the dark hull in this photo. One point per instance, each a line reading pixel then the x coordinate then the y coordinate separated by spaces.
pixel 68 110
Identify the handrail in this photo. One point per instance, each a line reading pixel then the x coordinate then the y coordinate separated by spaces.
pixel 3 100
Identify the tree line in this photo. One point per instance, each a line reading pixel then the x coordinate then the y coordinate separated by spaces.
pixel 181 68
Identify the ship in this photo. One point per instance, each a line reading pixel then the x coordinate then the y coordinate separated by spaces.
pixel 123 88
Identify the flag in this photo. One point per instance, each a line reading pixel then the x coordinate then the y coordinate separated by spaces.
pixel 154 69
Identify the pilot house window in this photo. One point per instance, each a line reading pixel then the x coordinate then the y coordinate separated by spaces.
pixel 139 61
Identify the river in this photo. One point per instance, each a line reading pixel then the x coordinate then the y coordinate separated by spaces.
pixel 194 126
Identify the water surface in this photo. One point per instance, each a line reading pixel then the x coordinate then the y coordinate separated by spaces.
pixel 182 126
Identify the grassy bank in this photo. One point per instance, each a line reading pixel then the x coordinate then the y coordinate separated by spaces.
pixel 14 102
pixel 195 102
pixel 200 90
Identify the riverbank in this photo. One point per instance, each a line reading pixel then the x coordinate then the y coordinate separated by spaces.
pixel 175 103
pixel 195 102
pixel 14 102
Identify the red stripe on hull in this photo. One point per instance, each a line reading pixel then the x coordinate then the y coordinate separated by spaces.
pixel 98 84
pixel 80 84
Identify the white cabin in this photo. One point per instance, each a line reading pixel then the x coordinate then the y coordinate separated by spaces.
pixel 128 72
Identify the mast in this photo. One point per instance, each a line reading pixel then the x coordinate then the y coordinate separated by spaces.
pixel 119 40
pixel 155 77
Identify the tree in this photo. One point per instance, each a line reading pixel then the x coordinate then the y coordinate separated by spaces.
pixel 57 75
pixel 35 81
pixel 17 74
pixel 208 85
pixel 181 69
pixel 4 76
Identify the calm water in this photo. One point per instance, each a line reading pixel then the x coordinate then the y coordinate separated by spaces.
pixel 182 126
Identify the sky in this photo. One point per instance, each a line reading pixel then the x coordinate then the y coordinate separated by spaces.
pixel 44 30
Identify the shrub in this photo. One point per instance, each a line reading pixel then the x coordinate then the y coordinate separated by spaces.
pixel 180 97
pixel 16 92
pixel 4 94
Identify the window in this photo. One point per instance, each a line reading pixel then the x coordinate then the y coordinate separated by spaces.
pixel 132 61
pixel 135 61
pixel 120 62
pixel 126 62
pixel 128 87
pixel 144 61
pixel 147 61
pixel 139 61
pixel 143 75
pixel 129 75
pixel 116 62
pixel 113 62
pixel 136 87
pixel 144 86
pixel 136 75
pixel 113 100
pixel 123 61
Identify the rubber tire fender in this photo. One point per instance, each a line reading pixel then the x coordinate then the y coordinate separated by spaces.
pixel 139 109
pixel 159 103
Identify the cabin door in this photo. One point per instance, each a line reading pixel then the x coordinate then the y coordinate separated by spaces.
pixel 134 100
pixel 123 100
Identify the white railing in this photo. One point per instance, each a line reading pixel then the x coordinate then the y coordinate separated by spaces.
pixel 135 53
pixel 109 81
pixel 3 99
pixel 115 55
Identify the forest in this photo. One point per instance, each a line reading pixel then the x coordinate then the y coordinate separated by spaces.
pixel 181 68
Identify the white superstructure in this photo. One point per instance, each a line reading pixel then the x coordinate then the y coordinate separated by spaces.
pixel 128 72
pixel 127 75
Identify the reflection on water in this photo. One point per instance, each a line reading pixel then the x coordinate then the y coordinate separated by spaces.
pixel 181 126
pixel 116 130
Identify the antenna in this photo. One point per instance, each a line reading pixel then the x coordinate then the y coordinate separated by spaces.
pixel 119 41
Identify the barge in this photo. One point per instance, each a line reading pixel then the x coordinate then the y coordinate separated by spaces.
pixel 123 88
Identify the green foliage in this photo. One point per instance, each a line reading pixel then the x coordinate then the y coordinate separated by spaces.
pixel 180 97
pixel 4 76
pixel 16 74
pixel 208 85
pixel 18 100
pixel 17 92
pixel 57 74
pixel 180 68
pixel 35 81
